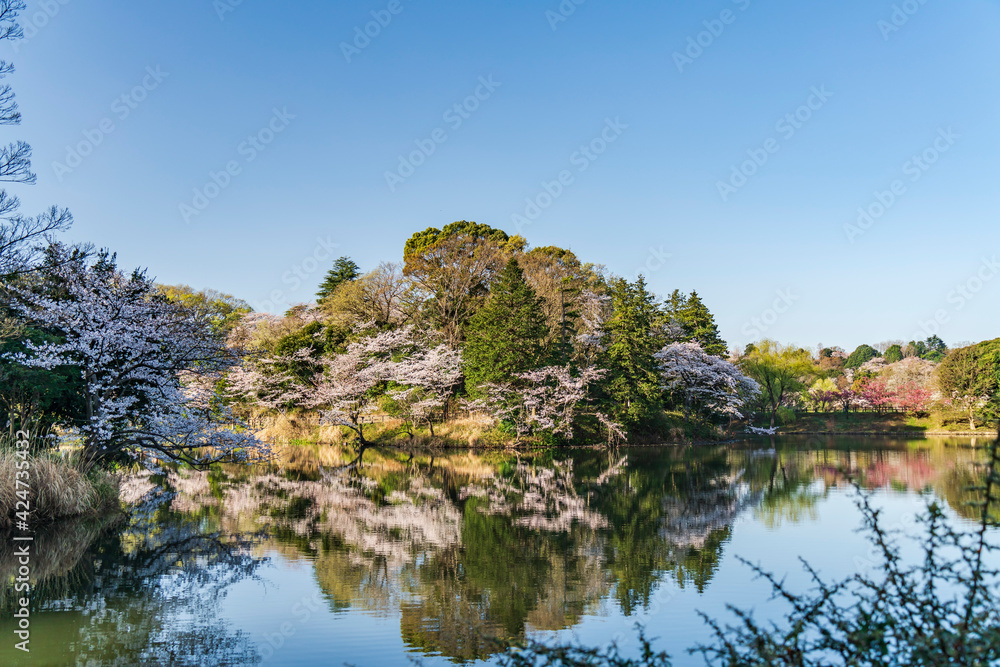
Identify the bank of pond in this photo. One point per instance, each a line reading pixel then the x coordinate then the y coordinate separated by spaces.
pixel 451 557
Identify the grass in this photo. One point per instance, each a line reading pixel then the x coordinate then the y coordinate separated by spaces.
pixel 872 422
pixel 56 489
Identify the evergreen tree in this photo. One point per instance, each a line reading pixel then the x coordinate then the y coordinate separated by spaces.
pixel 632 385
pixel 861 355
pixel 894 354
pixel 344 271
pixel 700 326
pixel 507 335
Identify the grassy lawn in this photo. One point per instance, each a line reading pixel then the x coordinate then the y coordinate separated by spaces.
pixel 872 422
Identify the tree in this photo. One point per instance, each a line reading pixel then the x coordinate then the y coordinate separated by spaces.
pixel 507 335
pixel 707 383
pixel 344 271
pixel 778 369
pixel 936 349
pixel 632 384
pixel 149 367
pixel 560 279
pixel 452 270
pixel 550 399
pixel 22 239
pixel 862 354
pixel 970 377
pixel 894 353
pixel 379 296
pixel 223 311
pixel 697 323
pixel 426 379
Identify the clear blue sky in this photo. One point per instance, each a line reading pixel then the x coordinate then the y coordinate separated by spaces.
pixel 654 191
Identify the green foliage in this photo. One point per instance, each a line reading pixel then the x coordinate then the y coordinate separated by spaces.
pixel 932 349
pixel 780 370
pixel 422 241
pixel 344 271
pixel 632 385
pixel 973 371
pixel 507 335
pixel 861 355
pixel 696 321
pixel 222 311
pixel 36 398
pixel 893 354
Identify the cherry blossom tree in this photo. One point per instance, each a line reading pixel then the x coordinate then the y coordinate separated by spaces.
pixel 551 399
pixel 877 394
pixel 149 367
pixel 427 378
pixel 913 397
pixel 706 382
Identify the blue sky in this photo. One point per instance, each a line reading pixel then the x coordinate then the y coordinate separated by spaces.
pixel 781 254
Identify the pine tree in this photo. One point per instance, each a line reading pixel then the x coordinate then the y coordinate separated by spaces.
pixel 632 385
pixel 344 271
pixel 507 335
pixel 700 326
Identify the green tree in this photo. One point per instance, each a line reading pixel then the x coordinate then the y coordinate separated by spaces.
pixel 894 354
pixel 970 377
pixel 507 335
pixel 452 270
pixel 344 271
pixel 779 369
pixel 222 311
pixel 862 354
pixel 700 326
pixel 936 349
pixel 632 384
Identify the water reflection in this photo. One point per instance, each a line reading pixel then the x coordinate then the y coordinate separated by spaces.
pixel 468 552
pixel 131 591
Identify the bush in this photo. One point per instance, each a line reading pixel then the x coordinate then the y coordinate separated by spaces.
pixel 785 416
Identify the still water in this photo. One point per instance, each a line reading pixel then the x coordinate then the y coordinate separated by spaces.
pixel 445 558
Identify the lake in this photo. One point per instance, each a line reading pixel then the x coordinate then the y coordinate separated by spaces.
pixel 446 558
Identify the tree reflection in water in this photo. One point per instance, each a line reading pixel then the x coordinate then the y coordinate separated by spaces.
pixel 470 553
pixel 128 591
